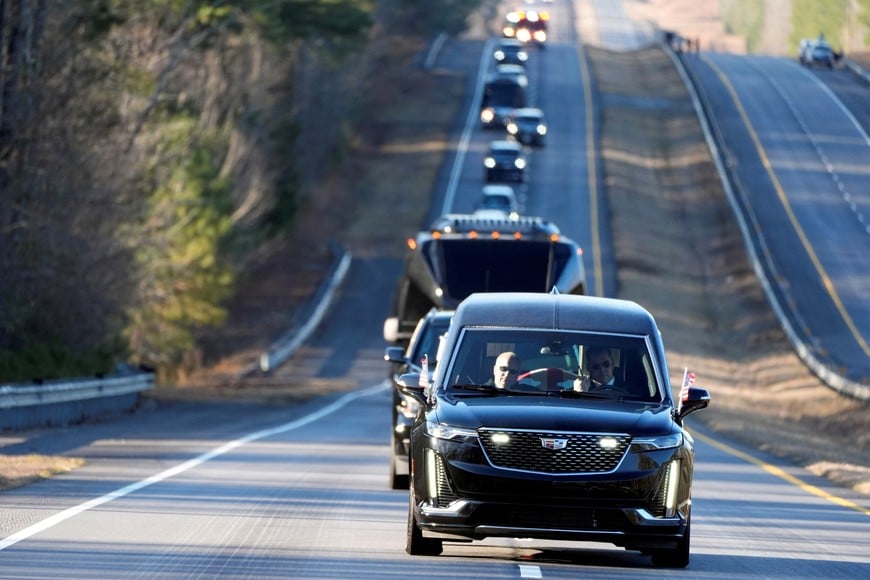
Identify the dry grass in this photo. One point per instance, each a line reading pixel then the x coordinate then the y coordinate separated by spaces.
pixel 20 470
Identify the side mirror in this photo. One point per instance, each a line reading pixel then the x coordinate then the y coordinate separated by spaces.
pixel 394 354
pixel 696 400
pixel 409 384
pixel 391 329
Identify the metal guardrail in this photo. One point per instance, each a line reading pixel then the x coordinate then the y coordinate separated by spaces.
pixel 856 70
pixel 62 402
pixel 287 344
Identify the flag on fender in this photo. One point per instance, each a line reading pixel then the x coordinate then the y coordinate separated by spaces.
pixel 424 371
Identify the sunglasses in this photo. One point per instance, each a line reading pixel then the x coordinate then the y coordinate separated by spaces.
pixel 598 367
pixel 509 370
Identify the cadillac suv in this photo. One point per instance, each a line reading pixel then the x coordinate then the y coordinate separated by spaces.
pixel 550 454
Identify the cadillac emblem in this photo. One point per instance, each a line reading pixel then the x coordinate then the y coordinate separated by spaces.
pixel 554 444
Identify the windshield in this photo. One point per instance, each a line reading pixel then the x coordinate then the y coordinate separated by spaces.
pixel 503 265
pixel 426 344
pixel 580 364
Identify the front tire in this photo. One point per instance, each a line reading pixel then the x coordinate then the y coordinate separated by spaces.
pixel 397 480
pixel 415 543
pixel 676 558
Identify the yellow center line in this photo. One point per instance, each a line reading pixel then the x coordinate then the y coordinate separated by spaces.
pixel 592 174
pixel 826 281
pixel 777 472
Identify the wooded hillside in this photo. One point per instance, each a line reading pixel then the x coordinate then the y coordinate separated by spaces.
pixel 148 148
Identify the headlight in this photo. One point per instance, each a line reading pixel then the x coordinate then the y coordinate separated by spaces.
pixel 499 55
pixel 542 129
pixel 410 408
pixel 441 431
pixel 520 163
pixel 512 128
pixel 654 443
pixel 489 162
pixel 487 115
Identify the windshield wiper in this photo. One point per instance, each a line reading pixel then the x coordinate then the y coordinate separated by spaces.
pixel 495 390
pixel 474 387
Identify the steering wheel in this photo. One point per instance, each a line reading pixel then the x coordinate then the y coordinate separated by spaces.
pixel 549 377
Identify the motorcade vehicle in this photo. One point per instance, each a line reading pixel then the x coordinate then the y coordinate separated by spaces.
pixel 501 95
pixel 510 51
pixel 816 52
pixel 499 197
pixel 528 126
pixel 513 72
pixel 505 162
pixel 547 457
pixel 418 357
pixel 527 26
pixel 459 254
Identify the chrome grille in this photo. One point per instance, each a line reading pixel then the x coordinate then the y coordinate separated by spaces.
pixel 525 451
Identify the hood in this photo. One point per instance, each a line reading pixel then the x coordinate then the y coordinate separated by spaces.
pixel 541 413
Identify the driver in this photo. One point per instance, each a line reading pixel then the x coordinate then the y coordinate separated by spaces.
pixel 506 370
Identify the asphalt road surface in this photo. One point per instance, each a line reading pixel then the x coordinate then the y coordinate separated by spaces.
pixel 303 493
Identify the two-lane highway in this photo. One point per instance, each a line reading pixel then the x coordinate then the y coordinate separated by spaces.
pixel 799 159
pixel 307 496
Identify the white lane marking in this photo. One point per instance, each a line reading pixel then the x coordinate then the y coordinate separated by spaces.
pixel 187 465
pixel 530 571
pixel 470 122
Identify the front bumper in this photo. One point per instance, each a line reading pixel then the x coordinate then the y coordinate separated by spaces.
pixel 642 502
pixel 632 528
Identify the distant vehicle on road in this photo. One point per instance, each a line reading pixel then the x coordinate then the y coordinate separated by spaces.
pixel 505 162
pixel 511 71
pixel 528 126
pixel 816 52
pixel 527 26
pixel 499 197
pixel 510 51
pixel 501 95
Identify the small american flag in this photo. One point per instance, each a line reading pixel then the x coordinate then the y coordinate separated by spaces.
pixel 688 381
pixel 424 371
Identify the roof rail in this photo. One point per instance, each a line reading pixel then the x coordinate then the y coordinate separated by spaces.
pixel 465 223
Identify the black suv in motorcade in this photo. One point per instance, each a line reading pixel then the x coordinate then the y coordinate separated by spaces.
pixel 551 457
pixel 422 346
pixel 505 162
